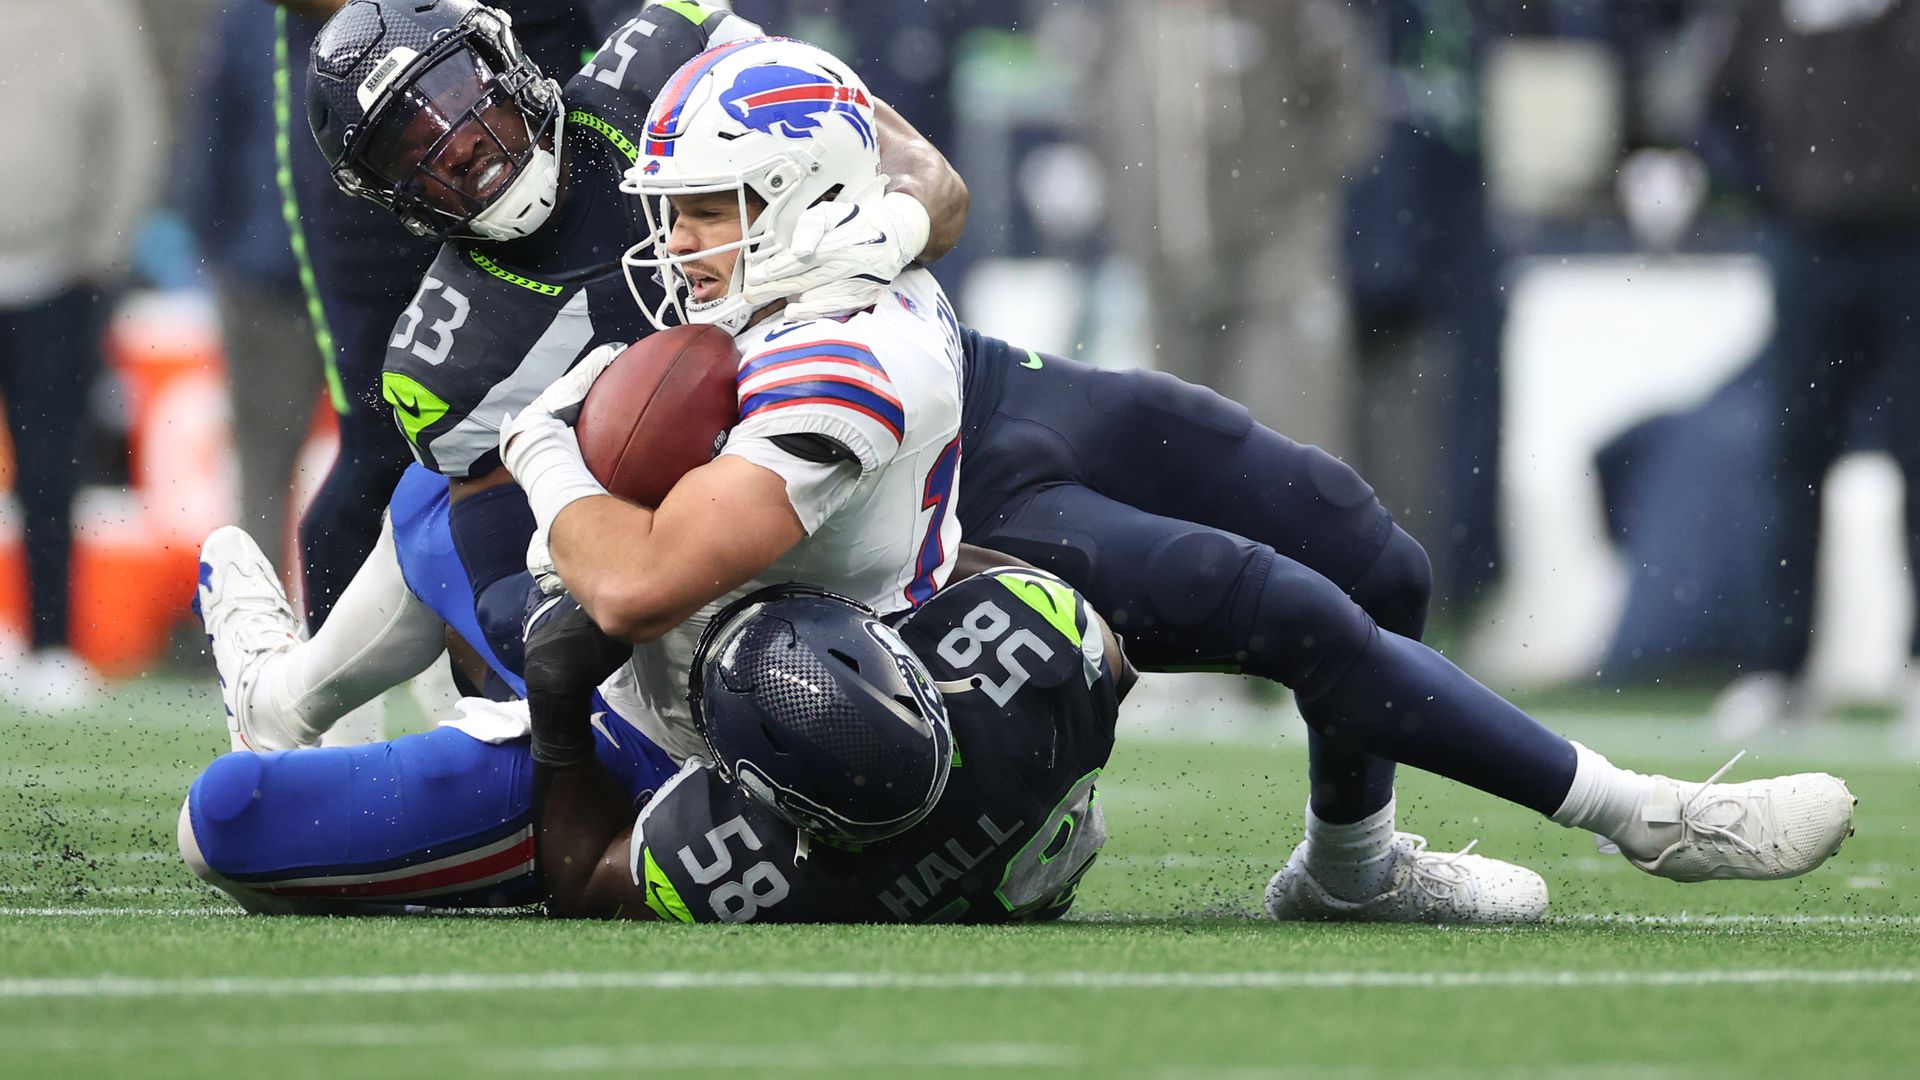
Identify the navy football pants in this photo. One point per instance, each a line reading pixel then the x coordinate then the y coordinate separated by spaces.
pixel 1212 542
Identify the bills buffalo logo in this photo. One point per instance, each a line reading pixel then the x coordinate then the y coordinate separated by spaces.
pixel 793 102
pixel 652 168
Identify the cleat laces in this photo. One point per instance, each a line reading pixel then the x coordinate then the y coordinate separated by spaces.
pixel 1437 873
pixel 1693 814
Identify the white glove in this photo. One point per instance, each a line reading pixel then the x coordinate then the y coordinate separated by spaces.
pixel 540 450
pixel 563 396
pixel 492 722
pixel 843 254
pixel 540 563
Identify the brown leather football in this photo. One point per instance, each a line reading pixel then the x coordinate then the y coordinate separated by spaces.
pixel 660 410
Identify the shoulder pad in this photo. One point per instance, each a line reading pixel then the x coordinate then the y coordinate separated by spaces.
pixel 1032 616
pixel 705 852
pixel 477 340
pixel 813 381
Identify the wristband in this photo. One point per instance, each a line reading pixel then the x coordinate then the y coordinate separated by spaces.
pixel 544 457
pixel 910 216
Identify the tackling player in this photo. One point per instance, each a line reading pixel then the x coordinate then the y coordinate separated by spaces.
pixel 1294 571
pixel 850 774
pixel 433 111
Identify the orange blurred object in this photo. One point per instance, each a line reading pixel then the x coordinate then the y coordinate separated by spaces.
pixel 136 550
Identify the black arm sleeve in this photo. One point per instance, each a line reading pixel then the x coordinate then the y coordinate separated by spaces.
pixel 567 657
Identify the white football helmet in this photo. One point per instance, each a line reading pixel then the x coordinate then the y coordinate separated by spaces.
pixel 775 117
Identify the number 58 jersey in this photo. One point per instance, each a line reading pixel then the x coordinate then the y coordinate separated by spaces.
pixel 1020 658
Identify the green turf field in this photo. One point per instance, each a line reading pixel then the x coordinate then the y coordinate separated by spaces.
pixel 114 962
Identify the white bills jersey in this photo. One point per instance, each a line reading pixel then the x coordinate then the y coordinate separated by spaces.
pixel 879 390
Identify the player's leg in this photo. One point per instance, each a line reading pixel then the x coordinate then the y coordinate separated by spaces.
pixel 342 522
pixel 1181 451
pixel 389 624
pixel 440 819
pixel 1809 372
pixel 1897 383
pixel 1187 596
pixel 281 692
pixel 49 354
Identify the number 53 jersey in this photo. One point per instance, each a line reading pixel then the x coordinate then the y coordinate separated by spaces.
pixel 1020 659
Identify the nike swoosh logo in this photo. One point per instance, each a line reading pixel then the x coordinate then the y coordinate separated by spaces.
pixel 410 406
pixel 782 332
pixel 1033 361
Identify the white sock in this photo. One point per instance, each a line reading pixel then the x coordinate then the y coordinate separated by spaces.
pixel 1604 798
pixel 378 636
pixel 1353 862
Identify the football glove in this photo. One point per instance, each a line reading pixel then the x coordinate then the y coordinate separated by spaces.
pixel 843 254
pixel 539 448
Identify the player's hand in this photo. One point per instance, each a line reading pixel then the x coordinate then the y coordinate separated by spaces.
pixel 842 255
pixel 538 446
pixel 540 563
pixel 567 656
pixel 563 397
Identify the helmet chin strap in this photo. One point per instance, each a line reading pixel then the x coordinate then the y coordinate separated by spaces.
pixel 528 201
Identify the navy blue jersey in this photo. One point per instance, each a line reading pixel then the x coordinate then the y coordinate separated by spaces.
pixel 1021 662
pixel 494 323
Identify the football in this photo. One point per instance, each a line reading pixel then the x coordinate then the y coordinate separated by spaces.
pixel 662 408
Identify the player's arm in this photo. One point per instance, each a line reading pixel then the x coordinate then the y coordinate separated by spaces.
pixel 640 572
pixel 583 819
pixel 914 166
pixel 491 524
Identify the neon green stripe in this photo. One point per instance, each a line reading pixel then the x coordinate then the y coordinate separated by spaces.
pixel 608 131
pixel 416 407
pixel 1052 598
pixel 687 10
pixel 662 897
pixel 290 209
pixel 504 274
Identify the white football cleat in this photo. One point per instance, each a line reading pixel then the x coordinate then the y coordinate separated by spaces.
pixel 1426 887
pixel 1760 830
pixel 248 622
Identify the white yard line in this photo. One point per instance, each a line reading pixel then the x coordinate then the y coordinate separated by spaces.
pixel 811 1056
pixel 1703 921
pixel 121 986
pixel 1736 920
pixel 93 912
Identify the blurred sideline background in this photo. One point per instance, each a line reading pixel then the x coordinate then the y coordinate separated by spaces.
pixel 1516 262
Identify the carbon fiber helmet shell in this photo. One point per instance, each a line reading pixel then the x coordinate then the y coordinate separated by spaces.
pixel 364 80
pixel 819 711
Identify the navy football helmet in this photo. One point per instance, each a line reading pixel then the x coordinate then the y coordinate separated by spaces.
pixel 819 710
pixel 431 109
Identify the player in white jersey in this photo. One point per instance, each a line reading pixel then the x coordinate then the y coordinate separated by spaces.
pixel 843 468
